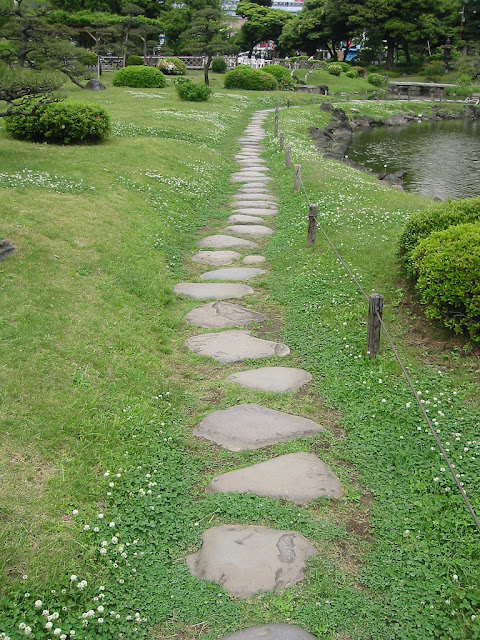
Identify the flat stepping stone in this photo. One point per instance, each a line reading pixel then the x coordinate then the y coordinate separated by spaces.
pixel 252 231
pixel 251 426
pixel 222 315
pixel 255 196
pixel 235 346
pixel 225 242
pixel 254 259
pixel 275 379
pixel 216 258
pixel 298 477
pixel 257 187
pixel 255 211
pixel 250 178
pixel 234 273
pixel 248 559
pixel 209 290
pixel 245 219
pixel 271 632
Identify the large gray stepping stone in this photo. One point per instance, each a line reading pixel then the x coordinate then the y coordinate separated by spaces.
pixel 257 187
pixel 216 258
pixel 233 273
pixel 209 290
pixel 299 477
pixel 245 219
pixel 255 196
pixel 270 632
pixel 222 315
pixel 248 559
pixel 235 346
pixel 253 259
pixel 251 177
pixel 252 231
pixel 251 426
pixel 275 379
pixel 225 242
pixel 254 164
pixel 255 211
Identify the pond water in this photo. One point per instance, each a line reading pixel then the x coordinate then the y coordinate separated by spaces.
pixel 441 158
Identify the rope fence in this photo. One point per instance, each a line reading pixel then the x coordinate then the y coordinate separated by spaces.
pixel 375 320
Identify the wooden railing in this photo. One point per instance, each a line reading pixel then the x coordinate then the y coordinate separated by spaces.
pixel 191 62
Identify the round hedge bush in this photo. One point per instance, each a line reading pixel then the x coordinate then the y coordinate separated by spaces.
pixel 244 77
pixel 376 79
pixel 448 267
pixel 134 60
pixel 334 69
pixel 282 76
pixel 172 67
pixel 360 70
pixel 345 66
pixel 352 74
pixel 137 77
pixel 88 58
pixel 61 122
pixel 435 218
pixel 219 65
pixel 192 92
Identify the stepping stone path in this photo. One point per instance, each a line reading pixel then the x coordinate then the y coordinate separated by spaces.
pixel 235 346
pixel 299 477
pixel 271 632
pixel 251 426
pixel 222 315
pixel 275 379
pixel 243 559
pixel 248 559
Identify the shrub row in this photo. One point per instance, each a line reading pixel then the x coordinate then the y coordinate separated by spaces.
pixel 139 77
pixel 172 67
pixel 282 76
pixel 244 77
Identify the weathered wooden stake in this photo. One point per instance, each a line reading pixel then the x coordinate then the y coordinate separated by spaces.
pixel 288 157
pixel 288 103
pixel 312 225
pixel 282 140
pixel 375 305
pixel 275 132
pixel 348 97
pixel 366 95
pixel 297 177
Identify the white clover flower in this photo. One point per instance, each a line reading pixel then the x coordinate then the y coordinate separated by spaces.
pixel 73 578
pixel 455 577
pixel 111 525
pixel 38 603
pixel 100 620
pixel 48 625
pixel 72 633
pixel 27 631
pixel 75 512
pixel 57 632
pixel 86 527
pixel 45 612
pixel 100 516
pixel 114 540
pixel 100 609
pixel 103 551
pixel 22 625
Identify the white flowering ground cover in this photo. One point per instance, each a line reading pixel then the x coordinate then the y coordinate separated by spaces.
pixel 101 483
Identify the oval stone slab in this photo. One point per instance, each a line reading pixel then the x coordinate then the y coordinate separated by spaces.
pixel 234 273
pixel 251 426
pixel 208 290
pixel 252 231
pixel 275 379
pixel 222 315
pixel 253 259
pixel 254 211
pixel 225 242
pixel 298 477
pixel 271 632
pixel 245 219
pixel 235 346
pixel 248 559
pixel 216 258
pixel 252 196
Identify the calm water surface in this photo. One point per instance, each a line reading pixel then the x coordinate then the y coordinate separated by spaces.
pixel 442 159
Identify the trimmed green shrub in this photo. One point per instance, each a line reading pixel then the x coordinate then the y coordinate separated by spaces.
pixel 134 60
pixel 192 92
pixel 352 74
pixel 172 67
pixel 282 76
pixel 435 218
pixel 360 70
pixel 345 66
pixel 219 65
pixel 448 267
pixel 61 122
pixel 335 68
pixel 137 76
pixel 244 77
pixel 181 80
pixel 319 64
pixel 376 79
pixel 88 58
pixel 433 69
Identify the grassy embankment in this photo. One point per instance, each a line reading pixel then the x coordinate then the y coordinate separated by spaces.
pixel 95 380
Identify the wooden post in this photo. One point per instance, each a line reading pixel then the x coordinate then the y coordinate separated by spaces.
pixel 366 95
pixel 288 157
pixel 288 103
pixel 375 305
pixel 348 97
pixel 312 225
pixel 297 178
pixel 282 140
pixel 275 131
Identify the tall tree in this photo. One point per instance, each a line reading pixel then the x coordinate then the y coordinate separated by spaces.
pixel 262 24
pixel 19 86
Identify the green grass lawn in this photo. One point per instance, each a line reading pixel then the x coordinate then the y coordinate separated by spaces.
pixel 100 477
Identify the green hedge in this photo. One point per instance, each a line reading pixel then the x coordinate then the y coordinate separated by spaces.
pixel 137 76
pixel 133 61
pixel 335 68
pixel 352 74
pixel 61 122
pixel 376 79
pixel 448 267
pixel 192 92
pixel 436 218
pixel 244 77
pixel 282 76
pixel 172 67
pixel 219 65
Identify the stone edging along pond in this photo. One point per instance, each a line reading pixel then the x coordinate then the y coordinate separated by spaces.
pixel 334 140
